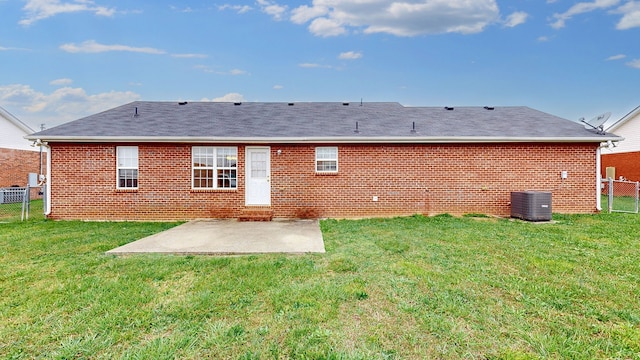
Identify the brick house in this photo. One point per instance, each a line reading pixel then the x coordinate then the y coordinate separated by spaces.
pixel 17 157
pixel 625 157
pixel 165 160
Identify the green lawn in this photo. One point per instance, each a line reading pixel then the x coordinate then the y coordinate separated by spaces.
pixel 13 211
pixel 403 288
pixel 620 203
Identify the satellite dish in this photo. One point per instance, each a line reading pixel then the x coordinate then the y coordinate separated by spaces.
pixel 597 123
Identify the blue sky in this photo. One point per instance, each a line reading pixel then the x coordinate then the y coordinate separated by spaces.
pixel 64 59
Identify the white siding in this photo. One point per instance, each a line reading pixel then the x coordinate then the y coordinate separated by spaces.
pixel 630 131
pixel 12 136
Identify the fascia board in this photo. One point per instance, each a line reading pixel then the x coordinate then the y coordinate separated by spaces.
pixel 632 114
pixel 350 140
pixel 15 121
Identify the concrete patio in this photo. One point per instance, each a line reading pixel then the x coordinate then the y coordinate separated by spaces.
pixel 230 237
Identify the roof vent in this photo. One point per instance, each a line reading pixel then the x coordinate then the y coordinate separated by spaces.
pixel 290 104
pixel 345 104
pixel 136 113
pixel 182 103
pixel 448 108
pixel 489 108
pixel 237 103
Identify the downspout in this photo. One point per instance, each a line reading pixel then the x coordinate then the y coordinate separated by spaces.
pixel 598 180
pixel 47 183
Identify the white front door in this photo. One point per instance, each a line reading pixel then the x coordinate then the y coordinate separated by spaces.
pixel 258 176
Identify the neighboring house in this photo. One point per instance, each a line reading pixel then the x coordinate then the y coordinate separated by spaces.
pixel 166 160
pixel 17 157
pixel 625 157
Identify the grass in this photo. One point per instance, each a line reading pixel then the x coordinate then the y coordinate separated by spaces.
pixel 620 203
pixel 402 288
pixel 13 211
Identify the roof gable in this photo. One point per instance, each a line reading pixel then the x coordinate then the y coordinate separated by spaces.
pixel 627 127
pixel 15 121
pixel 318 121
pixel 624 120
pixel 13 131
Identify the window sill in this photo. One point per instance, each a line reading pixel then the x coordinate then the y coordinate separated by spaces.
pixel 126 190
pixel 326 173
pixel 213 190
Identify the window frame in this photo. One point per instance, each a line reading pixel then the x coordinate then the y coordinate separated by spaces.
pixel 319 151
pixel 122 155
pixel 211 155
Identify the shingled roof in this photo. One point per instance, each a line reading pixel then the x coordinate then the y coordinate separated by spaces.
pixel 147 121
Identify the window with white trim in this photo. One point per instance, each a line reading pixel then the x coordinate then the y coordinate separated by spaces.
pixel 214 167
pixel 127 167
pixel 327 159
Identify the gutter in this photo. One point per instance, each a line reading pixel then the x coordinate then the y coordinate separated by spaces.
pixel 333 140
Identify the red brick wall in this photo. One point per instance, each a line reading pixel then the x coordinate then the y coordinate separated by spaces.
pixel 626 164
pixel 15 166
pixel 407 179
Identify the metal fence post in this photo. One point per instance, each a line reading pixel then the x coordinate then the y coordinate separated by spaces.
pixel 44 198
pixel 610 195
pixel 637 193
pixel 26 198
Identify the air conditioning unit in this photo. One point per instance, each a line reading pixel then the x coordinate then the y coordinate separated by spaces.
pixel 531 205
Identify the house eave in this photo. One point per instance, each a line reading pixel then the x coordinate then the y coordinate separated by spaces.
pixel 632 114
pixel 334 140
pixel 15 121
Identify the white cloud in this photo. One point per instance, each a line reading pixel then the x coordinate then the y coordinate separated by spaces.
pixel 62 105
pixel 208 69
pixel 516 18
pixel 350 55
pixel 326 27
pixel 91 46
pixel 190 56
pixel 543 38
pixel 240 9
pixel 230 97
pixel 581 8
pixel 616 57
pixel 278 87
pixel 635 63
pixel 42 9
pixel 272 8
pixel 59 82
pixel 204 68
pixel 182 10
pixel 2 48
pixel 397 17
pixel 631 15
pixel 304 13
pixel 237 72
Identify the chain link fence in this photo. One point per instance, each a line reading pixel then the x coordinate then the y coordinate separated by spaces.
pixel 621 196
pixel 20 203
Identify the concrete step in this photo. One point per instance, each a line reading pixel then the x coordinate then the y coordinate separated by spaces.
pixel 256 214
